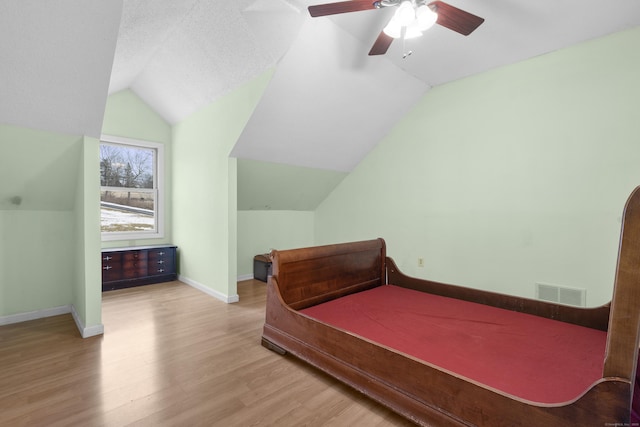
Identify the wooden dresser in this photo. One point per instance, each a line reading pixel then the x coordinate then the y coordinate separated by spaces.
pixel 139 265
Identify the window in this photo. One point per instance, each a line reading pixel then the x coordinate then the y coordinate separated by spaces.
pixel 130 189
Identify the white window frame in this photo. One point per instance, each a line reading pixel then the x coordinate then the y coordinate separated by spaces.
pixel 158 190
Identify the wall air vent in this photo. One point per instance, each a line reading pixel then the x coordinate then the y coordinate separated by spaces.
pixel 561 294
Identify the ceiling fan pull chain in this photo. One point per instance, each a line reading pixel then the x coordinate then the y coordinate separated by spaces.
pixel 405 53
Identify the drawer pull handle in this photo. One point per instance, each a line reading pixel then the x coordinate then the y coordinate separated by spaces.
pixel 161 253
pixel 160 270
pixel 107 267
pixel 107 258
pixel 161 262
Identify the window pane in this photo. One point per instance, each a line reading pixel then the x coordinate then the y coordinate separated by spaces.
pixel 131 187
pixel 123 211
pixel 126 166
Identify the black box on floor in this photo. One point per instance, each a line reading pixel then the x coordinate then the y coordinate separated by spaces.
pixel 261 267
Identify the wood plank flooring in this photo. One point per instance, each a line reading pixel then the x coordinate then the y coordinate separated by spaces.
pixel 170 356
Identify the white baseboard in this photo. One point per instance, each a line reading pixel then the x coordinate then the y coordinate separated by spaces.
pixel 33 315
pixel 54 311
pixel 211 292
pixel 245 277
pixel 91 331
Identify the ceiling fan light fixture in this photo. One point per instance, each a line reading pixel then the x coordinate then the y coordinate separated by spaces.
pixel 413 31
pixel 393 29
pixel 408 14
pixel 425 17
pixel 404 22
pixel 405 14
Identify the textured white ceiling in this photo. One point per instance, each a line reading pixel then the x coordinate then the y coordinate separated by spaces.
pixel 179 56
pixel 55 63
pixel 328 103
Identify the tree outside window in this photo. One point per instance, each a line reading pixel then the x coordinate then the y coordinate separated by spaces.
pixel 129 183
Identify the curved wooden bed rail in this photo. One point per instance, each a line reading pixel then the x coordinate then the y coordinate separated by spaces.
pixel 595 318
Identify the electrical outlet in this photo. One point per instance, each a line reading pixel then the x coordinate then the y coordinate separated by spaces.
pixel 420 262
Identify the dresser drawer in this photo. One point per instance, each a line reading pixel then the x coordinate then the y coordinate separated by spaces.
pixel 134 264
pixel 111 266
pixel 161 261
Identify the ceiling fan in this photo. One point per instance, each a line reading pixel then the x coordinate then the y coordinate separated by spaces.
pixel 410 19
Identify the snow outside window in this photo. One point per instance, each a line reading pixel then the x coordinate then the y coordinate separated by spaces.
pixel 130 189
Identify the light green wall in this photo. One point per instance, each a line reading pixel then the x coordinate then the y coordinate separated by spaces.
pixel 38 235
pixel 275 207
pixel 515 176
pixel 261 231
pixel 129 116
pixel 126 115
pixel 87 295
pixel 50 241
pixel 232 215
pixel 39 168
pixel 79 284
pixel 36 271
pixel 272 186
pixel 204 209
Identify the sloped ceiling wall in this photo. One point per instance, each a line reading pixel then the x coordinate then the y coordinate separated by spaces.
pixel 272 186
pixel 56 63
pixel 323 110
pixel 46 181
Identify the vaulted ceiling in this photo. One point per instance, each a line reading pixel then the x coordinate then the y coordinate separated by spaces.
pixel 327 104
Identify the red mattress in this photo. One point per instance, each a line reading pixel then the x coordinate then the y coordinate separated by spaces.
pixel 534 358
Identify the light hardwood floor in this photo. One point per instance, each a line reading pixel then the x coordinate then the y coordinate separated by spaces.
pixel 170 356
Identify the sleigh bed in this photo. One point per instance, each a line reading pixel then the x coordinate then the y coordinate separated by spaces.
pixel 444 355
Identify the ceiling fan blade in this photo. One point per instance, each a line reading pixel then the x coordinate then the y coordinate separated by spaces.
pixel 455 19
pixel 381 44
pixel 341 7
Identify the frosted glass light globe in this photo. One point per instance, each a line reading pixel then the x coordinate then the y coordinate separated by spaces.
pixel 405 14
pixel 413 31
pixel 425 17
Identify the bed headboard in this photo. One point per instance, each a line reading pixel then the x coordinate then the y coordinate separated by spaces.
pixel 310 276
pixel 624 322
